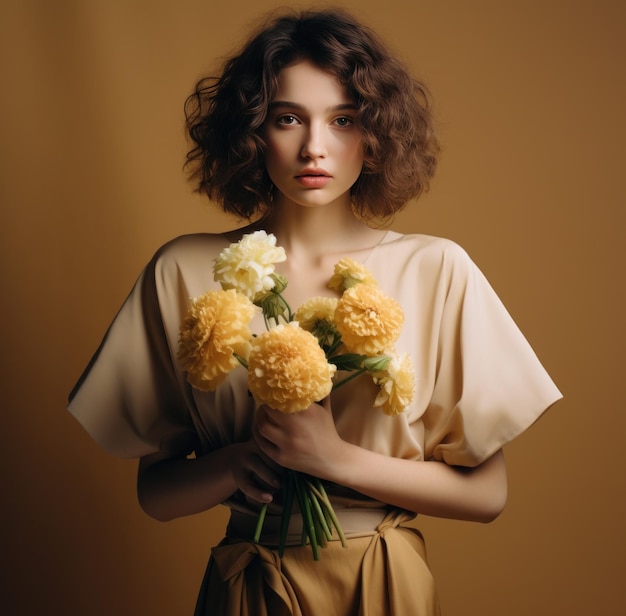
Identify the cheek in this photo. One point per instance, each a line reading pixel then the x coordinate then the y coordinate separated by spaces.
pixel 275 153
pixel 353 151
pixel 357 158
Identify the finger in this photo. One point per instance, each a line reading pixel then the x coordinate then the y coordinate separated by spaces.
pixel 267 448
pixel 254 492
pixel 268 426
pixel 272 417
pixel 265 475
pixel 276 468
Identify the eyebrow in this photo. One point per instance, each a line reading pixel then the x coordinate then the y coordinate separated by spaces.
pixel 292 105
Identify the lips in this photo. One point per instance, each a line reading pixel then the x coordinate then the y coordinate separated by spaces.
pixel 313 181
pixel 313 172
pixel 313 178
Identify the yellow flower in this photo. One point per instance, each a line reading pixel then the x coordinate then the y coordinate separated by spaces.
pixel 316 315
pixel 396 385
pixel 348 273
pixel 248 265
pixel 287 369
pixel 314 310
pixel 368 320
pixel 215 330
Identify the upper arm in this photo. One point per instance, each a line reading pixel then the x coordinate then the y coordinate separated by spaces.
pixel 179 447
pixel 492 482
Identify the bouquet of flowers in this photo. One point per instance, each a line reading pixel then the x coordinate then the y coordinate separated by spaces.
pixel 294 362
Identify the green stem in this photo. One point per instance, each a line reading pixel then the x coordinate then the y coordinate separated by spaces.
pixel 353 375
pixel 323 496
pixel 241 360
pixel 259 523
pixel 287 509
pixel 319 513
pixel 333 348
pixel 319 533
pixel 307 518
pixel 287 306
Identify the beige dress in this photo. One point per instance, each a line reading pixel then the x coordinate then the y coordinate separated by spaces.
pixel 479 385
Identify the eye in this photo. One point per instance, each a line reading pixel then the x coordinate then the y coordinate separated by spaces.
pixel 344 121
pixel 287 120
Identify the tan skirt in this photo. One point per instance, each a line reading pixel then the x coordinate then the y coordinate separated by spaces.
pixel 382 572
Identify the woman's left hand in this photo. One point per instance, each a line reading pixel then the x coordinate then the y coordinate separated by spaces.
pixel 306 441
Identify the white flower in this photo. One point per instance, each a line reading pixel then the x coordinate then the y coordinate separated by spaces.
pixel 248 265
pixel 397 385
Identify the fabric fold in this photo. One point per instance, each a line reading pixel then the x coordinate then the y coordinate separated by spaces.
pixel 245 579
pixel 379 574
pixel 402 553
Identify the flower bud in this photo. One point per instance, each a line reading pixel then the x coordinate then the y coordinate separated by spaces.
pixel 271 303
pixel 377 363
pixel 280 282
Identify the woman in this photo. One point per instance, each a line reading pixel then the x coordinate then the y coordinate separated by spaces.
pixel 316 133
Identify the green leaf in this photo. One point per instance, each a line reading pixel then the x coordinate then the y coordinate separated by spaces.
pixel 348 361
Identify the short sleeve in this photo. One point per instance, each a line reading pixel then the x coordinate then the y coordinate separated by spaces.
pixel 129 398
pixel 489 384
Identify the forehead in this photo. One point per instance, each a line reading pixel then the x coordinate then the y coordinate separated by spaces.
pixel 303 82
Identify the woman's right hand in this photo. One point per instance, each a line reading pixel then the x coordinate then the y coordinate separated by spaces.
pixel 171 484
pixel 255 475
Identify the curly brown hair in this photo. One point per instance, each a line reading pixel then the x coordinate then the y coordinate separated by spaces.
pixel 226 115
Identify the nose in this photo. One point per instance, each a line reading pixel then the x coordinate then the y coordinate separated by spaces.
pixel 314 145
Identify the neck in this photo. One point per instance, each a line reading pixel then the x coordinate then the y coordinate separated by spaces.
pixel 313 233
pixel 315 238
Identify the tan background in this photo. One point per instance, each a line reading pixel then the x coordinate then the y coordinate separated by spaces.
pixel 530 103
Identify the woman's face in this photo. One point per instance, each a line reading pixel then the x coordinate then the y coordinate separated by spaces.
pixel 314 148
